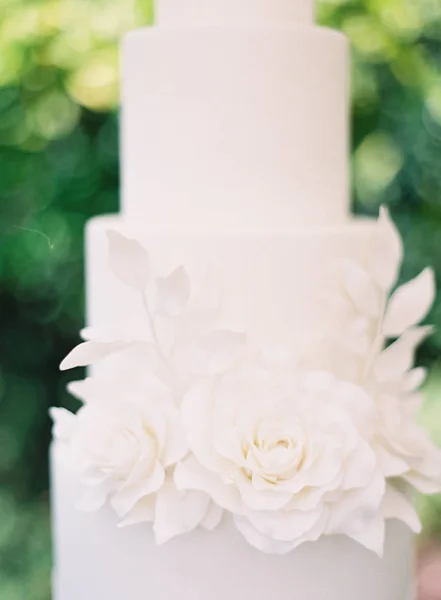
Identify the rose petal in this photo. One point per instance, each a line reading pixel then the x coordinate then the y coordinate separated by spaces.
pixel 423 484
pixel 287 526
pixel 175 446
pixel 178 512
pixel 389 463
pixel 372 536
pixel 94 498
pixel 213 517
pixel 409 304
pixel 143 512
pixel 128 260
pixel 196 418
pixel 260 541
pixel 191 475
pixel 140 483
pixel 397 506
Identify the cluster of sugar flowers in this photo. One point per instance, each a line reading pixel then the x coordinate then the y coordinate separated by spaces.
pixel 194 423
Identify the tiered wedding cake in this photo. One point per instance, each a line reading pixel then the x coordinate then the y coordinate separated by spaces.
pixel 245 433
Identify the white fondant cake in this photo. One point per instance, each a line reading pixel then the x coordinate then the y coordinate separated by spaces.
pixel 241 317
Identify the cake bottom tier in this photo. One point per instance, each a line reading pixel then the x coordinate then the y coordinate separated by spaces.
pixel 95 560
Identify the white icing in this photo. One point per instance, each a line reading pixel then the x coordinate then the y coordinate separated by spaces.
pixel 233 127
pixel 274 283
pixel 94 559
pixel 198 12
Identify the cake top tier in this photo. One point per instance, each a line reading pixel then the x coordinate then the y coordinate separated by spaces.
pixel 219 12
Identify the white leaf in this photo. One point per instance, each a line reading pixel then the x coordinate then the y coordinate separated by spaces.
pixel 398 358
pixel 409 304
pixel 172 293
pixel 128 260
pixel 397 506
pixel 414 379
pixel 90 352
pixel 386 252
pixel 361 289
pixel 214 353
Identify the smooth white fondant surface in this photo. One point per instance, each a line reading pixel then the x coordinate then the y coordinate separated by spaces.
pixel 95 560
pixel 235 126
pixel 276 283
pixel 190 12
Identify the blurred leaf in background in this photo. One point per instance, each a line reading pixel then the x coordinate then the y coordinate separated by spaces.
pixel 59 166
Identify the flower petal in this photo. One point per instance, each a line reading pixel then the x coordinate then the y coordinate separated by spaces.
pixel 397 506
pixel 143 512
pixel 409 304
pixel 196 418
pixel 94 498
pixel 90 352
pixel 424 485
pixel 175 444
pixel 288 526
pixel 390 464
pixel 386 252
pixel 191 475
pixel 141 483
pixel 372 536
pixel 172 293
pixel 260 541
pixel 178 512
pixel 357 507
pixel 128 260
pixel 213 517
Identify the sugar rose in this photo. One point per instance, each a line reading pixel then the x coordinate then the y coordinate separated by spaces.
pixel 287 455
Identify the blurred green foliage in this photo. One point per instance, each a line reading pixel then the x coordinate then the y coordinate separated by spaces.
pixel 59 166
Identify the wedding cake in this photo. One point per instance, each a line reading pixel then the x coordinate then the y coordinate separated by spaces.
pixel 248 427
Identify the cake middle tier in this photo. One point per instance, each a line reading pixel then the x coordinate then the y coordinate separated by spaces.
pixel 275 287
pixel 235 126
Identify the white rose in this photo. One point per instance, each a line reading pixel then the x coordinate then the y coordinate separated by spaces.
pixel 125 441
pixel 404 448
pixel 286 455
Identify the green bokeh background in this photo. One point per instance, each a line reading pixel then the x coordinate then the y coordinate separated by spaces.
pixel 59 166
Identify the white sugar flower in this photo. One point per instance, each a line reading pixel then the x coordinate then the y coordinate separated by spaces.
pixel 177 340
pixel 371 316
pixel 125 441
pixel 287 456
